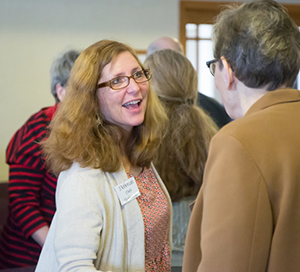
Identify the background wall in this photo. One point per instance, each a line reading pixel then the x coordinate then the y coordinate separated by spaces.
pixel 34 32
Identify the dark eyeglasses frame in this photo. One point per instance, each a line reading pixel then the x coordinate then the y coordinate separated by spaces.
pixel 108 83
pixel 211 64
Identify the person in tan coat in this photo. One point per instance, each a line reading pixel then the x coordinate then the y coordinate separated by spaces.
pixel 247 214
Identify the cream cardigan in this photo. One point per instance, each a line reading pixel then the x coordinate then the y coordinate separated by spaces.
pixel 90 230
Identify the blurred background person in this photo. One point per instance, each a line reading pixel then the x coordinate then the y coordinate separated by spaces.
pixel 212 107
pixel 31 185
pixel 113 211
pixel 247 213
pixel 182 155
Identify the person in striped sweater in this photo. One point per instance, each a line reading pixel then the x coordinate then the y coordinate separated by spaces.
pixel 31 185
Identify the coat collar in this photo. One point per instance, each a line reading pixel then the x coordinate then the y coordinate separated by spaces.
pixel 276 97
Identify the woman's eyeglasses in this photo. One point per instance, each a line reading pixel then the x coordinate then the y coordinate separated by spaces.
pixel 121 82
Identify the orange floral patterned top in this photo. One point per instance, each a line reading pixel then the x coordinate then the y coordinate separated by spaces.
pixel 156 215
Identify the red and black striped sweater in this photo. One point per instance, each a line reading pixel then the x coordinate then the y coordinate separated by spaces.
pixel 31 192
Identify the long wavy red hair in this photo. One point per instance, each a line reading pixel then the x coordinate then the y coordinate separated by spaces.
pixel 75 135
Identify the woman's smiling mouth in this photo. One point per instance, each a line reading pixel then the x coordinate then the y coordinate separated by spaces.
pixel 132 104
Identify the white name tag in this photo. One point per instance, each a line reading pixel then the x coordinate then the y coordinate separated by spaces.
pixel 127 191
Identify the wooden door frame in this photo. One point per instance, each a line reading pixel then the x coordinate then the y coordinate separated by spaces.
pixel 204 12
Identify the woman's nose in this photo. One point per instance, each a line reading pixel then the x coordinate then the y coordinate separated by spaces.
pixel 133 86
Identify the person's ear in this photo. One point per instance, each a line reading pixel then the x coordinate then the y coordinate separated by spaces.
pixel 227 73
pixel 60 91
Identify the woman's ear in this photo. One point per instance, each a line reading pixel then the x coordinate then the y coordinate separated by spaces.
pixel 227 73
pixel 60 91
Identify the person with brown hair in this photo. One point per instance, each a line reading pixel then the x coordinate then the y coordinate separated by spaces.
pixel 247 214
pixel 113 210
pixel 182 154
pixel 211 106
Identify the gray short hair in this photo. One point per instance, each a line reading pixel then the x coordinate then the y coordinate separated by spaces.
pixel 260 42
pixel 60 70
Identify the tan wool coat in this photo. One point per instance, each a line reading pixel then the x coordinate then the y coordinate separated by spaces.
pixel 247 214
